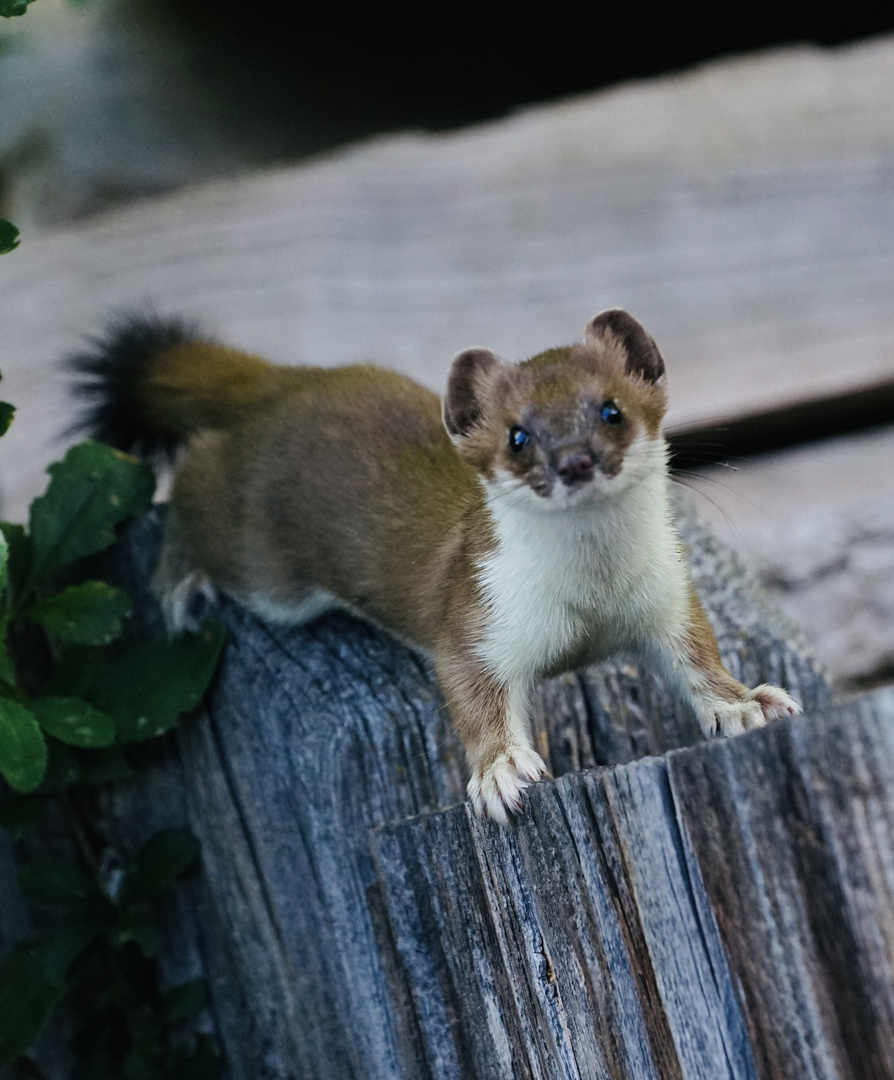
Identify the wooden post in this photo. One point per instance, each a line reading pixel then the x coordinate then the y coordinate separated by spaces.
pixel 355 920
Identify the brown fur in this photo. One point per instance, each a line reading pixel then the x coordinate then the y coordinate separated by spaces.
pixel 556 396
pixel 701 646
pixel 355 482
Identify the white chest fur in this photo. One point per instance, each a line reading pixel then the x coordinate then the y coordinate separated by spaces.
pixel 581 581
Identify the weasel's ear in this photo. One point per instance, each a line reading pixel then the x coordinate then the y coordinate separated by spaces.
pixel 470 376
pixel 643 357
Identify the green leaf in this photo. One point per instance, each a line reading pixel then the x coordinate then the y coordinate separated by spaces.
pixel 23 752
pixel 96 1045
pixel 20 813
pixel 76 670
pixel 27 997
pixel 164 858
pixel 93 489
pixel 7 667
pixel 63 768
pixel 148 687
pixel 103 767
pixel 33 978
pixel 55 884
pixel 70 766
pixel 7 412
pixel 19 558
pixel 145 1059
pixel 9 234
pixel 76 934
pixel 74 721
pixel 184 1001
pixel 87 614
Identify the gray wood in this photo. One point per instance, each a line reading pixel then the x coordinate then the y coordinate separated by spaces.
pixel 834 571
pixel 312 737
pixel 792 832
pixel 724 912
pixel 569 946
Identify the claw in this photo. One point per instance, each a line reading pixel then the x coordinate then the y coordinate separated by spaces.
pixel 496 790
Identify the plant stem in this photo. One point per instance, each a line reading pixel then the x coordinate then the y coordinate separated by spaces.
pixel 82 841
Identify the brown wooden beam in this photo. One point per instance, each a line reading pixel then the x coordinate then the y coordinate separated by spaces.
pixel 802 422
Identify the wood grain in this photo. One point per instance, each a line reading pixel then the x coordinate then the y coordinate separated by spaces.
pixel 792 833
pixel 308 930
pixel 724 912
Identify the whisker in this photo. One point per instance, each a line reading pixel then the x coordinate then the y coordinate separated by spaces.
pixel 506 491
pixel 709 423
pixel 677 438
pixel 699 458
pixel 698 476
pixel 685 481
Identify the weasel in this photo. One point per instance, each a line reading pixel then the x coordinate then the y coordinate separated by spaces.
pixel 519 530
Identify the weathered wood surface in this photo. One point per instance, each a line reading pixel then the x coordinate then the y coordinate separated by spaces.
pixel 824 554
pixel 727 911
pixel 442 947
pixel 741 210
pixel 793 837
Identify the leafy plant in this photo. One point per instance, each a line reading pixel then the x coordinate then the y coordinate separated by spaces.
pixel 9 234
pixel 10 8
pixel 74 700
pixel 104 947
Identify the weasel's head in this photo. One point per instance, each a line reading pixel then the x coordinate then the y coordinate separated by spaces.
pixel 567 425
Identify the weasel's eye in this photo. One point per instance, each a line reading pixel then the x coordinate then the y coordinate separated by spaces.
pixel 610 413
pixel 518 439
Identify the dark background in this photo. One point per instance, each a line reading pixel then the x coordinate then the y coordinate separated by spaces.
pixel 398 63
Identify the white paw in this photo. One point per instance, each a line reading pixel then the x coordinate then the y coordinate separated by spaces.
pixel 761 705
pixel 774 702
pixel 188 604
pixel 495 789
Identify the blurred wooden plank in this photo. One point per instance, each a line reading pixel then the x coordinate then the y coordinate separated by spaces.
pixel 741 210
pixel 836 477
pixel 816 523
pixel 813 418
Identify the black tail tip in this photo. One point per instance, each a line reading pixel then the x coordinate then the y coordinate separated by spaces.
pixel 109 375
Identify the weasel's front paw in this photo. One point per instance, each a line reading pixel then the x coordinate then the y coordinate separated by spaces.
pixel 495 788
pixel 761 705
pixel 774 702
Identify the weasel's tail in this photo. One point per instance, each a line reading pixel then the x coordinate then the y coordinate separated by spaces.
pixel 149 383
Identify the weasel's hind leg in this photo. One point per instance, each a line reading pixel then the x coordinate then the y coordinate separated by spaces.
pixel 186 593
pixel 189 603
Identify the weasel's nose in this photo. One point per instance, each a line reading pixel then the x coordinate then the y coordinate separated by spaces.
pixel 576 468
